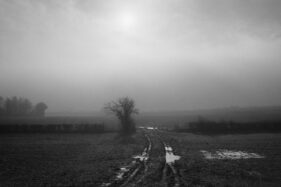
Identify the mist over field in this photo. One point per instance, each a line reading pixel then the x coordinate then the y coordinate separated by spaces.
pixel 168 55
pixel 147 93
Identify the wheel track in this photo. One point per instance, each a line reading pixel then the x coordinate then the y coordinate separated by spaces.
pixel 151 169
pixel 137 171
pixel 169 164
pixel 129 172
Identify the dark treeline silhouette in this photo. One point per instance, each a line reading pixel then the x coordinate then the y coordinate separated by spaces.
pixel 203 125
pixel 21 107
pixel 123 109
pixel 53 128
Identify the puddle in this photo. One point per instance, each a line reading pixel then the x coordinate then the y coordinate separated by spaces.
pixel 228 154
pixel 148 128
pixel 143 157
pixel 121 173
pixel 151 128
pixel 170 157
pixel 170 160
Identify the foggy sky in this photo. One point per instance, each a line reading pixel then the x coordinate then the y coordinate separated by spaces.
pixel 76 55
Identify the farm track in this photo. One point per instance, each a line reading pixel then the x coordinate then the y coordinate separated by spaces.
pixel 154 167
pixel 135 171
pixel 170 176
pixel 138 174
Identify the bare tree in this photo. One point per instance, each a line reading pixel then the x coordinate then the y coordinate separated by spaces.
pixel 39 109
pixel 124 108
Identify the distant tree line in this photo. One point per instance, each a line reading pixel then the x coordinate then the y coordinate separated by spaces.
pixel 53 128
pixel 203 125
pixel 17 106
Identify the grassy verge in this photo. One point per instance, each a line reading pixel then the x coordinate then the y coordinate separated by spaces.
pixel 64 159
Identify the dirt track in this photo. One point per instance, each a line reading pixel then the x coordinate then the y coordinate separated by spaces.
pixel 154 167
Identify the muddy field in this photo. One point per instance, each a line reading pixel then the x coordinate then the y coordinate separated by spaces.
pixel 151 158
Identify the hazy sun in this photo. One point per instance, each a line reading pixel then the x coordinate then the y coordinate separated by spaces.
pixel 126 21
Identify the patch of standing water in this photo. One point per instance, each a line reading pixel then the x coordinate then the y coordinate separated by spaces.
pixel 121 173
pixel 148 128
pixel 143 157
pixel 227 154
pixel 170 157
pixel 151 128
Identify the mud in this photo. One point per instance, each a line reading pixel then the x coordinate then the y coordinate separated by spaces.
pixel 127 173
pixel 134 173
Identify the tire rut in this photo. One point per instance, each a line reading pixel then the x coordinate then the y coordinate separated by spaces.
pixel 170 176
pixel 138 174
pixel 127 174
pixel 154 167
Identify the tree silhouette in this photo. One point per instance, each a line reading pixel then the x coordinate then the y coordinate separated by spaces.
pixel 124 108
pixel 25 107
pixel 17 106
pixel 8 107
pixel 2 109
pixel 40 108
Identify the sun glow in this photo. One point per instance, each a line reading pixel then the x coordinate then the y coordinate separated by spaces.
pixel 126 21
